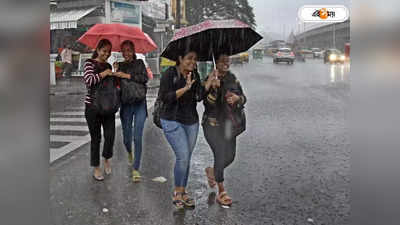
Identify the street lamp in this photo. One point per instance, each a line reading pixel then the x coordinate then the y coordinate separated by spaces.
pixel 53 5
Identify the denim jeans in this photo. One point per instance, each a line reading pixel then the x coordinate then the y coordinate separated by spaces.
pixel 133 113
pixel 182 139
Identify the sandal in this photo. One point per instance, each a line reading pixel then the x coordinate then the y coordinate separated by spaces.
pixel 188 201
pixel 178 203
pixel 136 176
pixel 98 177
pixel 210 177
pixel 223 199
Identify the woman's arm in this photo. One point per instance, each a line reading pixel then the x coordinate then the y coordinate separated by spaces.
pixel 91 78
pixel 167 91
pixel 139 77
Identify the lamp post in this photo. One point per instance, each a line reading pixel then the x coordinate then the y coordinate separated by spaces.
pixel 178 14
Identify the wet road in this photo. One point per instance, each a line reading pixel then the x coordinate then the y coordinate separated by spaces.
pixel 292 163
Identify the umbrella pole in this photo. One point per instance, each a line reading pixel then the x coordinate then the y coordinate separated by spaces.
pixel 215 67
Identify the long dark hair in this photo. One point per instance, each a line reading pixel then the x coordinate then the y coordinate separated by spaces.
pixel 183 54
pixel 100 45
pixel 130 44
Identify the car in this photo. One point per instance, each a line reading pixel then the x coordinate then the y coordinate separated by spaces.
pixel 317 53
pixel 284 55
pixel 258 54
pixel 244 57
pixel 299 57
pixel 271 51
pixel 334 56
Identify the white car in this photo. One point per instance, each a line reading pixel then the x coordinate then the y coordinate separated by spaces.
pixel 317 53
pixel 284 55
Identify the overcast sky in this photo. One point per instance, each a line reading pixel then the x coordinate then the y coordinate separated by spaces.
pixel 275 15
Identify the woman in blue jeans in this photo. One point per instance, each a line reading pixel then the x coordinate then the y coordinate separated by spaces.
pixel 135 71
pixel 180 90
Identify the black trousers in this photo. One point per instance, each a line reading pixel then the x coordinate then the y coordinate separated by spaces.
pixel 224 149
pixel 94 122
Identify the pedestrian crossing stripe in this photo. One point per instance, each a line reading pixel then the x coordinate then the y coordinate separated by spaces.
pixel 74 139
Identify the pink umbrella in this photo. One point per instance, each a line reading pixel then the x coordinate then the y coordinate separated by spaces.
pixel 117 33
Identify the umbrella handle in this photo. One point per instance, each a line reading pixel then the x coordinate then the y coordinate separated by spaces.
pixel 215 67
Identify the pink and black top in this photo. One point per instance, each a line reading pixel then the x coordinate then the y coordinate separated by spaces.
pixel 91 76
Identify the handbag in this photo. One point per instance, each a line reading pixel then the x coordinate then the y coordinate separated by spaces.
pixel 158 105
pixel 106 96
pixel 132 92
pixel 236 123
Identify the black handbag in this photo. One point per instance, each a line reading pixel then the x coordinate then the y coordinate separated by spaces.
pixel 106 96
pixel 236 122
pixel 158 105
pixel 132 92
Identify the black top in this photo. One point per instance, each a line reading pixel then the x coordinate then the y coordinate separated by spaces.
pixel 138 72
pixel 182 110
pixel 215 102
pixel 136 69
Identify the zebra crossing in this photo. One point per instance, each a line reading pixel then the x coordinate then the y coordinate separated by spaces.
pixel 69 131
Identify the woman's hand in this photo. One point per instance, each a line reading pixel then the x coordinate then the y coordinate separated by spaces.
pixel 105 73
pixel 216 83
pixel 212 80
pixel 122 75
pixel 116 66
pixel 232 99
pixel 189 82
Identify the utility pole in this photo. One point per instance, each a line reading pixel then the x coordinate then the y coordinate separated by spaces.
pixel 334 35
pixel 178 14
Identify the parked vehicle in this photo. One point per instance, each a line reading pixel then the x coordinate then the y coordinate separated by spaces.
pixel 284 55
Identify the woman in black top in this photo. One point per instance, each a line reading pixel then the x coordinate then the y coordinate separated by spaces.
pixel 95 70
pixel 223 92
pixel 180 90
pixel 133 70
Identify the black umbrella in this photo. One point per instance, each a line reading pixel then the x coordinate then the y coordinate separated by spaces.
pixel 210 38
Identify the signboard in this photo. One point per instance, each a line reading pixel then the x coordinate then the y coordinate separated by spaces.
pixel 128 13
pixel 82 58
pixel 159 29
pixel 155 9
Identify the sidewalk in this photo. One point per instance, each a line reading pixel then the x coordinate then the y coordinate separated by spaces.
pixel 75 86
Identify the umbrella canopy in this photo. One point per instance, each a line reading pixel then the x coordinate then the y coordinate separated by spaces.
pixel 212 37
pixel 117 33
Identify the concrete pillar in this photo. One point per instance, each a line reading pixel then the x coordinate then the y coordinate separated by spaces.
pixel 52 72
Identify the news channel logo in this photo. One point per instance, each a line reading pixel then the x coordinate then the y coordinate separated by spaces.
pixel 323 13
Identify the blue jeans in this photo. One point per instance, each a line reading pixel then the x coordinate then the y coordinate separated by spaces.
pixel 138 113
pixel 182 139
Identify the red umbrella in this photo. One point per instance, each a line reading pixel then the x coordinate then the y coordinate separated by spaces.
pixel 117 33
